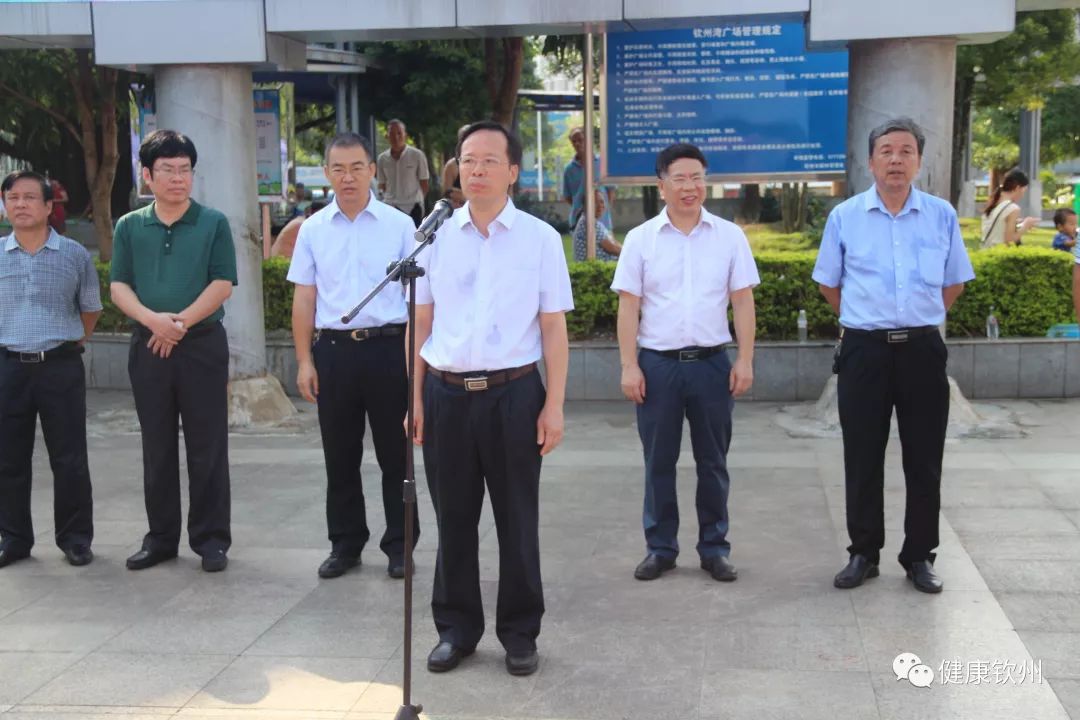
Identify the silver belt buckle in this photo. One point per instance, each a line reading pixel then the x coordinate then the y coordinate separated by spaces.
pixel 34 357
pixel 689 355
pixel 897 336
pixel 472 384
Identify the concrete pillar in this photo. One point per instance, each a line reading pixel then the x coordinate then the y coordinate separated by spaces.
pixel 905 77
pixel 1030 143
pixel 213 105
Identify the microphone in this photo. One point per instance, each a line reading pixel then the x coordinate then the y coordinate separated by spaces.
pixel 438 215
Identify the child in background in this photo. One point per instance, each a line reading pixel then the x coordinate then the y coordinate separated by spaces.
pixel 1065 222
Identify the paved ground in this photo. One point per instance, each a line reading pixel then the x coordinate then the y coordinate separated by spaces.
pixel 268 639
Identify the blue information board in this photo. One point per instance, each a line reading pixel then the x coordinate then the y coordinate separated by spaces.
pixel 749 95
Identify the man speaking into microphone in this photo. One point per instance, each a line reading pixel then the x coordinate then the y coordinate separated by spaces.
pixel 491 304
pixel 356 369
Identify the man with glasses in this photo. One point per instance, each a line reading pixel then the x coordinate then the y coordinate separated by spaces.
pixel 492 303
pixel 357 369
pixel 49 304
pixel 173 267
pixel 678 272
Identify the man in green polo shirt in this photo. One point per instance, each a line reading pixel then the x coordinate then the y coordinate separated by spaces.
pixel 173 267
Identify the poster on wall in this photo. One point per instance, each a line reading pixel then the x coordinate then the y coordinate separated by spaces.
pixel 750 95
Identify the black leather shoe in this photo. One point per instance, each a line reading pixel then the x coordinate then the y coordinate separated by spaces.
pixel 522 663
pixel 8 556
pixel 215 561
pixel 396 568
pixel 653 566
pixel 855 572
pixel 923 576
pixel 148 559
pixel 446 656
pixel 336 565
pixel 79 555
pixel 720 568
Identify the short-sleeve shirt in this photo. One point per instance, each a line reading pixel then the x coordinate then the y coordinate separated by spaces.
pixel 402 177
pixel 685 281
pixel 581 241
pixel 891 268
pixel 169 266
pixel 344 259
pixel 573 187
pixel 43 295
pixel 1061 242
pixel 489 292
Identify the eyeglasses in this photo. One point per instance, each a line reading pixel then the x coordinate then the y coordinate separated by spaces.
pixel 170 172
pixel 338 172
pixel 686 181
pixel 488 163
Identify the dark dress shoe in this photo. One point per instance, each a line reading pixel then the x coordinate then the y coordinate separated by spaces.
pixel 396 568
pixel 653 566
pixel 8 556
pixel 79 555
pixel 855 572
pixel 446 656
pixel 148 559
pixel 720 568
pixel 923 576
pixel 215 561
pixel 522 663
pixel 336 565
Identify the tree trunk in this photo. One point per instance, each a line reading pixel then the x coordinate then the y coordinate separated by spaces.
pixel 750 208
pixel 794 200
pixel 650 201
pixel 503 60
pixel 965 85
pixel 93 88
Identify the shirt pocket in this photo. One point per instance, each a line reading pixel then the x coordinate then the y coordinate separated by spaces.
pixel 932 266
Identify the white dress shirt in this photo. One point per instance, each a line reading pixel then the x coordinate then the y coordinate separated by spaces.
pixel 684 281
pixel 489 292
pixel 344 259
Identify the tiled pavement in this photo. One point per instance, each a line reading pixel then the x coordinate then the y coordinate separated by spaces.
pixel 268 639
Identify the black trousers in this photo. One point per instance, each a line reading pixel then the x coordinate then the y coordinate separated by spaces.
pixel 191 386
pixel 470 437
pixel 417 214
pixel 358 379
pixel 55 391
pixel 876 376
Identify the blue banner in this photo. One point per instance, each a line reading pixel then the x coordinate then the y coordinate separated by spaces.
pixel 750 96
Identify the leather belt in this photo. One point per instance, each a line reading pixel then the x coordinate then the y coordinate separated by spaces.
pixel 68 348
pixel 898 335
pixel 689 354
pixel 476 381
pixel 362 333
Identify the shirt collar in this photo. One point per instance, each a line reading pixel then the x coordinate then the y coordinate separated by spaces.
pixel 462 216
pixel 873 201
pixel 374 207
pixel 707 218
pixel 53 243
pixel 190 216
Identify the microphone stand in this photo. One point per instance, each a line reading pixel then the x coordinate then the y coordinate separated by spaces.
pixel 405 271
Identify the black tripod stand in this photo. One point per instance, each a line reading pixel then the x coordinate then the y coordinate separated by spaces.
pixel 405 271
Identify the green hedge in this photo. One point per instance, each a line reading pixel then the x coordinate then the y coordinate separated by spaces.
pixel 1031 289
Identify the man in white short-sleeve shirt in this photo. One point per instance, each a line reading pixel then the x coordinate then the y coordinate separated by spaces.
pixel 678 272
pixel 357 369
pixel 403 173
pixel 491 304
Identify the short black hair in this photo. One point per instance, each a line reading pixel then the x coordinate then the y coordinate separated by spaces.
pixel 900 124
pixel 513 143
pixel 348 139
pixel 1061 215
pixel 10 180
pixel 166 144
pixel 678 151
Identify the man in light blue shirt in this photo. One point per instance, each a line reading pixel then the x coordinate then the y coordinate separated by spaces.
pixel 49 304
pixel 891 264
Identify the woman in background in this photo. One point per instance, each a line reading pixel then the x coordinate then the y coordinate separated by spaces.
pixel 1001 223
